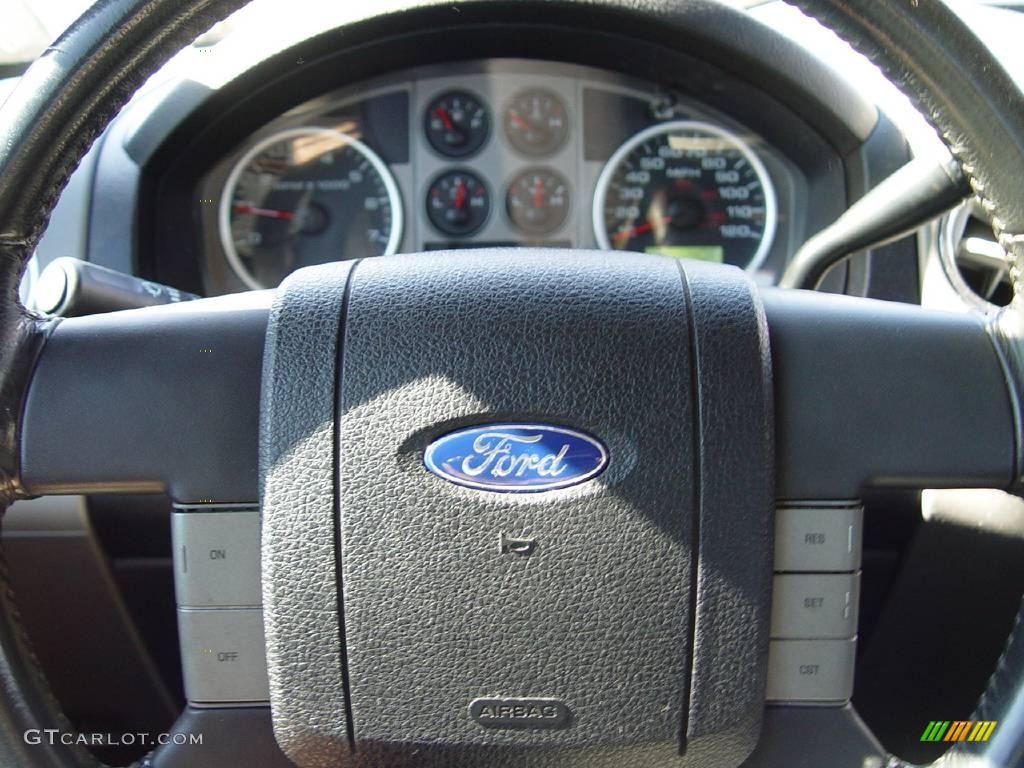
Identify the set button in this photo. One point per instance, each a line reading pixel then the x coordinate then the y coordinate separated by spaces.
pixel 815 605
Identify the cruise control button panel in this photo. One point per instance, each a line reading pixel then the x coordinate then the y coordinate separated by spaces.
pixel 220 613
pixel 815 599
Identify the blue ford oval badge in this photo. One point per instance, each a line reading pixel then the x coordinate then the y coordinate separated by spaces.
pixel 516 458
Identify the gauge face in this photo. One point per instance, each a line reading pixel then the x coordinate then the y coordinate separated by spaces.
pixel 458 203
pixel 457 124
pixel 307 196
pixel 538 200
pixel 536 122
pixel 690 190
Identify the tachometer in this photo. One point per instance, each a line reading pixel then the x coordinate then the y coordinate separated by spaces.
pixel 307 196
pixel 687 189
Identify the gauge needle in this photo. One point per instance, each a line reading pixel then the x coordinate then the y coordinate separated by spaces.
pixel 516 118
pixel 445 117
pixel 639 229
pixel 538 193
pixel 460 194
pixel 270 213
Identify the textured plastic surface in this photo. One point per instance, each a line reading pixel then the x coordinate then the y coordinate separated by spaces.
pixel 596 342
pixel 301 598
pixel 733 385
pixel 437 614
pixel 792 736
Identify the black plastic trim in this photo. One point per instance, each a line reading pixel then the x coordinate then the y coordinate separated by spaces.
pixel 158 399
pixel 846 369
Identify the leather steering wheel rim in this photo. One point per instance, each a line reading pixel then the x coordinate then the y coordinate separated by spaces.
pixel 79 83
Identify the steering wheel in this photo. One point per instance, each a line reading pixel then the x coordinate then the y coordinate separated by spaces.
pixel 632 626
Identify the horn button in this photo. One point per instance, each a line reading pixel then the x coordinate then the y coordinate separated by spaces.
pixel 546 537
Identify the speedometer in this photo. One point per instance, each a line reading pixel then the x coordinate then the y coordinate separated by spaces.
pixel 307 196
pixel 687 189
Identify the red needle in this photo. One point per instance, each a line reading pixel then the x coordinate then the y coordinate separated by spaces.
pixel 518 120
pixel 538 193
pixel 460 194
pixel 270 213
pixel 639 229
pixel 445 117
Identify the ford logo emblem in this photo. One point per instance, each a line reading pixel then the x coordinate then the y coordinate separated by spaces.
pixel 516 458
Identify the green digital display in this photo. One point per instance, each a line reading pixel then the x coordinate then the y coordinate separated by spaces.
pixel 713 253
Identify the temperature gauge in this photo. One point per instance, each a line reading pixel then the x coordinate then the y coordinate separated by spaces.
pixel 458 203
pixel 457 124
pixel 538 200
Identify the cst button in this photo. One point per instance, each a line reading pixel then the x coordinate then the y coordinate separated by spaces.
pixel 811 671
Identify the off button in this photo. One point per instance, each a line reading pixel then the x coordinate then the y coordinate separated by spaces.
pixel 223 655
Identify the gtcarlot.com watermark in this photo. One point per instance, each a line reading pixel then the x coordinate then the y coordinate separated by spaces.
pixel 54 736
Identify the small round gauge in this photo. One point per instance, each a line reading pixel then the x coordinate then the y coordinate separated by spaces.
pixel 457 124
pixel 536 122
pixel 458 203
pixel 538 200
pixel 306 196
pixel 687 189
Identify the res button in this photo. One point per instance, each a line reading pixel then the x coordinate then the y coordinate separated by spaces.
pixel 818 538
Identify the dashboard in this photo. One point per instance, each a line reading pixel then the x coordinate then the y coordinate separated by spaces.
pixel 498 152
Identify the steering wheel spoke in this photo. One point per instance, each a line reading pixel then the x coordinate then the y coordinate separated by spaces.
pixel 162 399
pixel 880 394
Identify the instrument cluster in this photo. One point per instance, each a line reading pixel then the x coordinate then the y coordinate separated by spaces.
pixel 495 153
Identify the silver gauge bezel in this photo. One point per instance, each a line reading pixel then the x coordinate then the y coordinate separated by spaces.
pixel 227 195
pixel 528 91
pixel 770 203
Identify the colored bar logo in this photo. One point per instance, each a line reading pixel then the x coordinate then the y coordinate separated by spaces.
pixel 959 730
